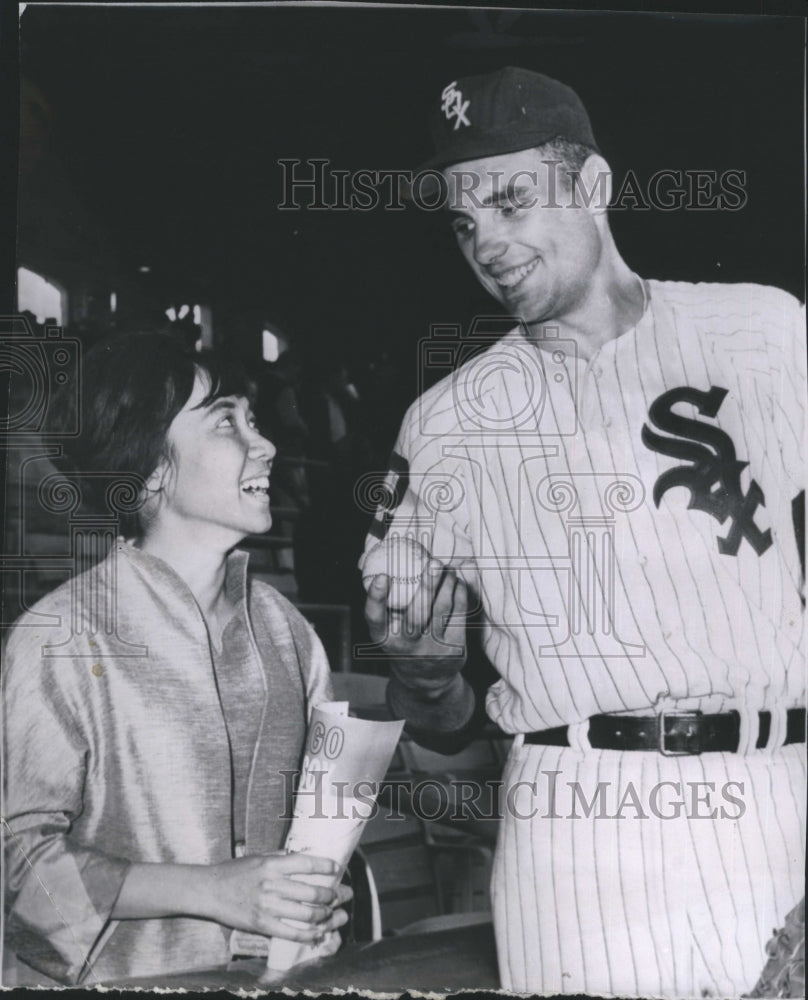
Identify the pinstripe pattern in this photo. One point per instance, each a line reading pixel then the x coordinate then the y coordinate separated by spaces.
pixel 697 625
pixel 639 907
pixel 676 907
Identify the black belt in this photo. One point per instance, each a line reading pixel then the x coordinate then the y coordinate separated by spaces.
pixel 672 733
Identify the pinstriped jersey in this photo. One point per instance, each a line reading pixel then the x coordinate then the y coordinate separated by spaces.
pixel 628 523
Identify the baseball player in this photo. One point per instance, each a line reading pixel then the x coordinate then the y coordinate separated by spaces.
pixel 617 486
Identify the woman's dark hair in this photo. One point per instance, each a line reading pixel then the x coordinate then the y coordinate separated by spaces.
pixel 132 386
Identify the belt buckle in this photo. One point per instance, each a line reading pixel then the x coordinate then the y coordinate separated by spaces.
pixel 662 735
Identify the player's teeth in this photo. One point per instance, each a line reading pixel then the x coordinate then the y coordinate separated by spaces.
pixel 514 276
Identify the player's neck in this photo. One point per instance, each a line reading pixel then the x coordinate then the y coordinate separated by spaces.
pixel 614 303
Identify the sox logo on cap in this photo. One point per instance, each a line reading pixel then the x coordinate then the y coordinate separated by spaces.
pixel 453 105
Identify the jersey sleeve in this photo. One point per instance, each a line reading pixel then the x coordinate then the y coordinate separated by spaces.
pixel 794 454
pixel 423 494
pixel 786 344
pixel 766 351
pixel 59 894
pixel 789 393
pixel 423 497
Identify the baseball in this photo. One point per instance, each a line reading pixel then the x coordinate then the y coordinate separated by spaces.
pixel 403 560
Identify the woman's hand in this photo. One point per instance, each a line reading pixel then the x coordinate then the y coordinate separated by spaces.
pixel 256 894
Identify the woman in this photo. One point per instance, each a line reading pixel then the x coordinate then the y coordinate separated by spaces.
pixel 156 706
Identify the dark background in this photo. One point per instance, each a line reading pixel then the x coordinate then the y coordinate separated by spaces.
pixel 151 136
pixel 161 131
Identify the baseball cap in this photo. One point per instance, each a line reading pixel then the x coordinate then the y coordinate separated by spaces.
pixel 504 112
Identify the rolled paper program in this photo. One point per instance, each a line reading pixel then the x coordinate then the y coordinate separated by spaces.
pixel 345 762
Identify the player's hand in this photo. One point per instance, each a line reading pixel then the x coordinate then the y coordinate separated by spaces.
pixel 431 629
pixel 258 894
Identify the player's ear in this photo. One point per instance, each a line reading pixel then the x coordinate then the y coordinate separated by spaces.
pixel 596 184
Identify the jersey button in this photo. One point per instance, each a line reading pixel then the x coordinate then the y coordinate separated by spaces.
pixel 607 422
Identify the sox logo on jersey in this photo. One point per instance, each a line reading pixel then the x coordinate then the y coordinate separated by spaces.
pixel 713 477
